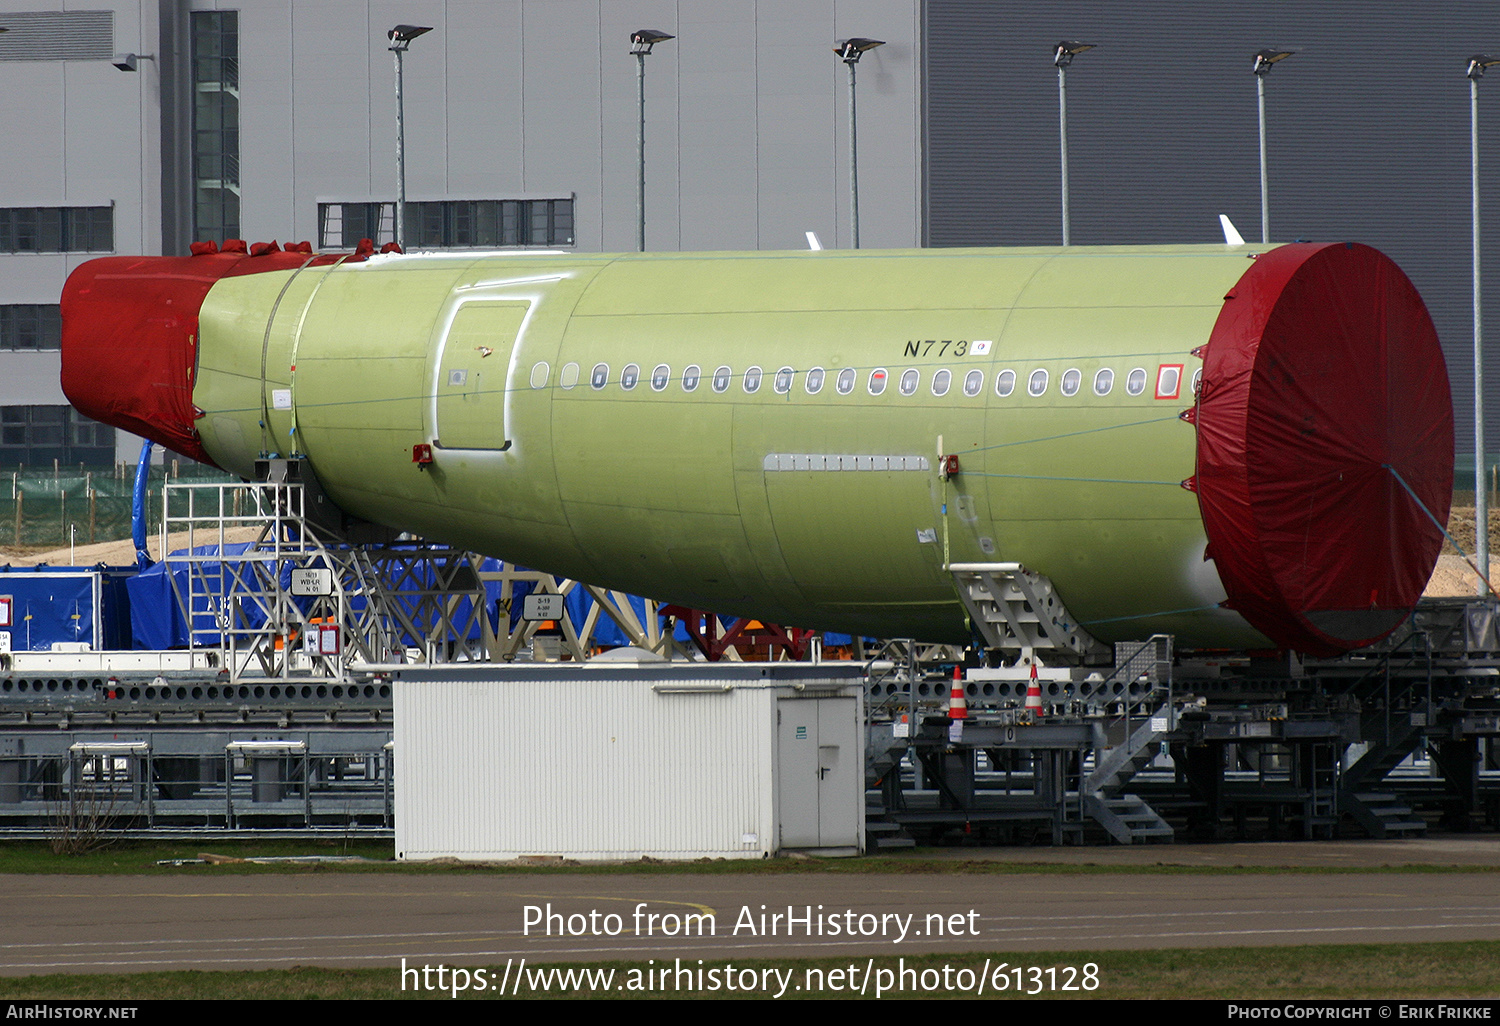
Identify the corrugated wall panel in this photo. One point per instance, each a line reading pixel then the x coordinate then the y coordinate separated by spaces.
pixel 594 769
pixel 1368 135
pixel 57 35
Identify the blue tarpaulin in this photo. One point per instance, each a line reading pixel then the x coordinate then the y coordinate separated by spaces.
pixel 157 623
pixel 70 605
pixel 156 617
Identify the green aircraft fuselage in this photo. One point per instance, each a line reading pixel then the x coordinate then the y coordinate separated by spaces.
pixel 676 426
pixel 818 438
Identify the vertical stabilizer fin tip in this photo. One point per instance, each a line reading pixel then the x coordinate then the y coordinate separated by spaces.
pixel 1232 236
pixel 812 241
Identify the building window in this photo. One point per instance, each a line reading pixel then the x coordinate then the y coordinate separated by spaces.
pixel 30 326
pixel 57 229
pixel 216 125
pixel 449 224
pixel 38 435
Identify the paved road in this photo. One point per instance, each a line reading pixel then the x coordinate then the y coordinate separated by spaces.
pixel 58 924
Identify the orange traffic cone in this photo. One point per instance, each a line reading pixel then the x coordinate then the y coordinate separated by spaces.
pixel 958 706
pixel 1034 695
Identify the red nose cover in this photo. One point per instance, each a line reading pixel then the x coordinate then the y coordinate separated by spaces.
pixel 1325 425
pixel 130 338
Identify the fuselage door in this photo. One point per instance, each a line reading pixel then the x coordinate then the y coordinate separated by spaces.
pixel 472 381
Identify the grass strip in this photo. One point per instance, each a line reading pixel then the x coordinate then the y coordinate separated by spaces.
pixel 137 858
pixel 1469 970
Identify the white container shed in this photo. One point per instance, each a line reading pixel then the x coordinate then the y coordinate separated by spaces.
pixel 620 761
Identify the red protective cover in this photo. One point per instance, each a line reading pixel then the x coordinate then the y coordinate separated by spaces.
pixel 1324 388
pixel 130 338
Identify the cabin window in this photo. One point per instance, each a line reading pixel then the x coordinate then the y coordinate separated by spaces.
pixel 1197 380
pixel 569 376
pixel 630 376
pixel 1104 381
pixel 1169 381
pixel 752 379
pixel 783 382
pixel 660 376
pixel 845 383
pixel 909 381
pixel 814 381
pixel 1135 382
pixel 539 374
pixel 721 378
pixel 599 376
pixel 690 377
pixel 1005 383
pixel 877 381
pixel 1072 380
pixel 973 383
pixel 940 382
pixel 1036 384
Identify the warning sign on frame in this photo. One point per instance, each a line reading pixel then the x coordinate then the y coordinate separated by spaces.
pixel 312 582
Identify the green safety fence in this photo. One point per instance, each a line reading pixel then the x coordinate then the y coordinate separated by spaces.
pixel 49 508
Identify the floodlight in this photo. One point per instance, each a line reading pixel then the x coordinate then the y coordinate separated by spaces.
pixel 1267 57
pixel 851 50
pixel 1478 63
pixel 129 61
pixel 1064 52
pixel 642 40
pixel 402 35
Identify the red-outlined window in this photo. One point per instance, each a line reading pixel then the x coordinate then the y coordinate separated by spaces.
pixel 1169 381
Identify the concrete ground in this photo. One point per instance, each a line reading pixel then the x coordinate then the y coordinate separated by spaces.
pixel 1468 850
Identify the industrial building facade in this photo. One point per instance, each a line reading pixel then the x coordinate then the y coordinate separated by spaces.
pixel 140 126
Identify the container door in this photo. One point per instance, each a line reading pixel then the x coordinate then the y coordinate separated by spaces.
pixel 820 772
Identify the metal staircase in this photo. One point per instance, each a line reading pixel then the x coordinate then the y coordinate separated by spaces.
pixel 1382 815
pixel 1126 817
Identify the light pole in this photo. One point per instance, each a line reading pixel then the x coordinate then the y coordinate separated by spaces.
pixel 401 37
pixel 641 42
pixel 1062 56
pixel 850 51
pixel 1477 64
pixel 1262 67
